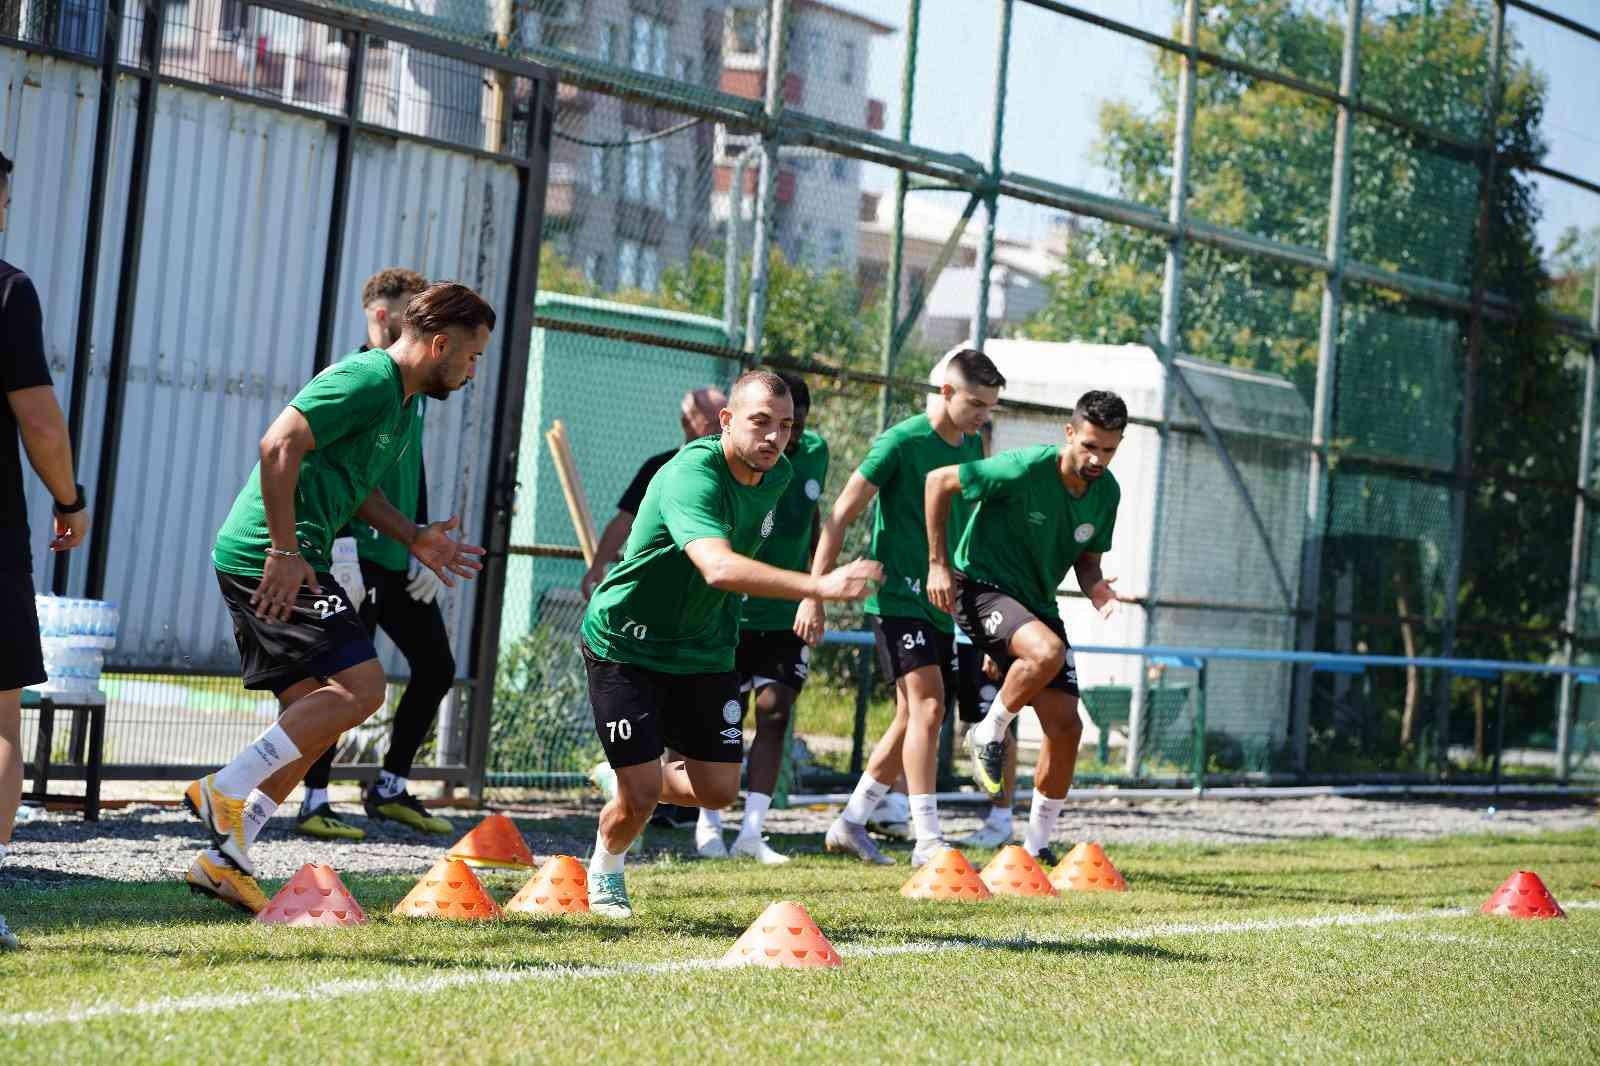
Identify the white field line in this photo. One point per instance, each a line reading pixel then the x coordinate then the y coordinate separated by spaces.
pixel 441 982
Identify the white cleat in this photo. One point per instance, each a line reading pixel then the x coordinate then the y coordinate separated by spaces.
pixel 754 847
pixel 605 779
pixel 846 836
pixel 892 817
pixel 987 836
pixel 710 845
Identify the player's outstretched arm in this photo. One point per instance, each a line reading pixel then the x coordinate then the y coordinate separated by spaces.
pixel 810 619
pixel 283 572
pixel 940 488
pixel 436 549
pixel 728 571
pixel 1095 585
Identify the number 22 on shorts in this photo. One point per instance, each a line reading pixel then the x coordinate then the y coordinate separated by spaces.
pixel 328 606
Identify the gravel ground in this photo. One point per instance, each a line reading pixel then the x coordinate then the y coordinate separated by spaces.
pixel 145 842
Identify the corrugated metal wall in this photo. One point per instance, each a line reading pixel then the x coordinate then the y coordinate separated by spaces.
pixel 451 217
pixel 224 330
pixel 47 128
pixel 223 335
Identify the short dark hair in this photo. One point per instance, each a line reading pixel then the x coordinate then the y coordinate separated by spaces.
pixel 766 380
pixel 799 391
pixel 449 303
pixel 390 284
pixel 5 168
pixel 975 368
pixel 1102 409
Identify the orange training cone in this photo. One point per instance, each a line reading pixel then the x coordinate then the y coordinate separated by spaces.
pixel 1086 869
pixel 1523 896
pixel 314 896
pixel 948 875
pixel 494 842
pixel 783 937
pixel 448 891
pixel 560 887
pixel 1014 872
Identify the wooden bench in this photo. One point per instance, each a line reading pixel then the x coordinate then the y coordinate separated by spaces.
pixel 85 747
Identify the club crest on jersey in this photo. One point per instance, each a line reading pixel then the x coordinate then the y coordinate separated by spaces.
pixel 766 526
pixel 732 712
pixel 813 489
pixel 1083 533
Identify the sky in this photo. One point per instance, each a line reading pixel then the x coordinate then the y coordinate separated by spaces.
pixel 1061 70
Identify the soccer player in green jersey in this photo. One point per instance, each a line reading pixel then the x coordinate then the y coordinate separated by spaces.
pixel 660 632
pixel 1036 513
pixel 773 660
pixel 915 640
pixel 297 629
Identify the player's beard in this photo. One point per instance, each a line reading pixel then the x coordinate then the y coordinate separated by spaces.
pixel 755 460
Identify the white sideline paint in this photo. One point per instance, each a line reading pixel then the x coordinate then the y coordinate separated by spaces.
pixel 442 982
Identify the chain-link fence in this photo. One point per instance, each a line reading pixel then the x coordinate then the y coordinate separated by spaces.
pixel 1340 256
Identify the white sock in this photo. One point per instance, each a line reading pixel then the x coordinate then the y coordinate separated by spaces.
pixel 258 810
pixel 925 816
pixel 1041 821
pixel 216 858
pixel 314 798
pixel 756 805
pixel 707 826
pixel 4 849
pixel 390 786
pixel 865 799
pixel 999 818
pixel 995 723
pixel 603 862
pixel 268 753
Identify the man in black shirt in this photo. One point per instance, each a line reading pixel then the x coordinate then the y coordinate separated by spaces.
pixel 31 413
pixel 698 415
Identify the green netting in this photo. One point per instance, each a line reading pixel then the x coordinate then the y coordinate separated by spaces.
pixel 1399 380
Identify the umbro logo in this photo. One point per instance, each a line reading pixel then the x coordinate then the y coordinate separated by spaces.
pixel 1036 518
pixel 732 736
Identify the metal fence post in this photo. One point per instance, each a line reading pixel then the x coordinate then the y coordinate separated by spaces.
pixel 333 261
pixel 1580 521
pixel 730 254
pixel 521 290
pixel 1469 374
pixel 897 236
pixel 858 734
pixel 777 62
pixel 1199 758
pixel 127 297
pixel 1002 62
pixel 88 280
pixel 1171 328
pixel 1327 386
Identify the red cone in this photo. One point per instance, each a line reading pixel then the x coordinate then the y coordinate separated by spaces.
pixel 1523 896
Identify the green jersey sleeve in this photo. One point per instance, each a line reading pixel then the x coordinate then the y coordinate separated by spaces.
pixel 883 458
pixel 344 399
pixel 992 477
pixel 692 505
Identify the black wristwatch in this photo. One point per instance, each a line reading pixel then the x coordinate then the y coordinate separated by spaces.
pixel 77 505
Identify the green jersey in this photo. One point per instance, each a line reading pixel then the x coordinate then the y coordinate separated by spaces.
pixel 1027 530
pixel 654 610
pixel 402 486
pixel 789 547
pixel 363 424
pixel 898 464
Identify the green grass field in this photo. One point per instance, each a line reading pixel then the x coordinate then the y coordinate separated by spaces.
pixel 1328 951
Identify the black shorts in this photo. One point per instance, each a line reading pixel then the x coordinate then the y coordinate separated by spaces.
pixel 322 635
pixel 640 713
pixel 772 656
pixel 21 655
pixel 990 617
pixel 907 644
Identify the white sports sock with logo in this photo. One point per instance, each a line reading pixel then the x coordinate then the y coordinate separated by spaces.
pixel 603 861
pixel 258 811
pixel 389 785
pixel 925 816
pixel 314 798
pixel 865 799
pixel 994 724
pixel 1041 821
pixel 261 758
